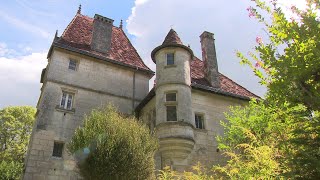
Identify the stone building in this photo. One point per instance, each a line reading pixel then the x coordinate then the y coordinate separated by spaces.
pixel 93 63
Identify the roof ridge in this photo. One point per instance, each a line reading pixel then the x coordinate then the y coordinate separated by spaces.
pixel 71 22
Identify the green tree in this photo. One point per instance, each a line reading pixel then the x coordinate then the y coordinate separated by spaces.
pixel 288 62
pixel 16 124
pixel 287 122
pixel 257 140
pixel 111 146
pixel 279 137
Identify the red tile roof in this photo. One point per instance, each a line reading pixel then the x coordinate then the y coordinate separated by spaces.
pixel 227 86
pixel 198 81
pixel 78 34
pixel 172 38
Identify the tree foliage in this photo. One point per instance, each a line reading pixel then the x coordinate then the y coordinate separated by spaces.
pixel 288 62
pixel 199 172
pixel 16 124
pixel 111 146
pixel 279 137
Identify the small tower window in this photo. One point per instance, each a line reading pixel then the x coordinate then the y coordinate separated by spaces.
pixel 199 121
pixel 170 59
pixel 57 149
pixel 171 105
pixel 171 113
pixel 171 97
pixel 72 64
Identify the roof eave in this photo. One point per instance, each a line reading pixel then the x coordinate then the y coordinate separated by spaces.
pixel 155 50
pixel 217 91
pixel 58 45
pixel 151 94
pixel 145 101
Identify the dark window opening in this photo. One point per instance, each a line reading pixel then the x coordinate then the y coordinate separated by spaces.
pixel 57 149
pixel 171 113
pixel 170 59
pixel 171 97
pixel 72 64
pixel 199 121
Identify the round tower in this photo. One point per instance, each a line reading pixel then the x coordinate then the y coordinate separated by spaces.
pixel 174 123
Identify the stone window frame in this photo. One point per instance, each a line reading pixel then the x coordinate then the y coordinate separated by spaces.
pixel 76 64
pixel 67 91
pixel 203 120
pixel 171 104
pixel 59 154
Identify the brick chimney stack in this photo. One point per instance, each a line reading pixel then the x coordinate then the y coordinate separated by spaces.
pixel 209 58
pixel 101 35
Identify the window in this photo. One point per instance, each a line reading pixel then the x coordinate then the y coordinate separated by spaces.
pixel 57 149
pixel 171 113
pixel 171 97
pixel 171 105
pixel 199 121
pixel 72 64
pixel 170 59
pixel 66 101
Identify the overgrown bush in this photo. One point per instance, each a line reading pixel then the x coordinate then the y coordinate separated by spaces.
pixel 112 146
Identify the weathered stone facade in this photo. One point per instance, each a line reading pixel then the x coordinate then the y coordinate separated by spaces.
pixel 94 84
pixel 86 72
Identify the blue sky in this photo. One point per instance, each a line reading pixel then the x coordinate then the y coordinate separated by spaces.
pixel 27 28
pixel 32 23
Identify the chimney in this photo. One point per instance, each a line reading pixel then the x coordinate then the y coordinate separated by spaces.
pixel 209 58
pixel 101 34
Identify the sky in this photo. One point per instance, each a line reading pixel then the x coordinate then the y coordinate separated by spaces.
pixel 27 28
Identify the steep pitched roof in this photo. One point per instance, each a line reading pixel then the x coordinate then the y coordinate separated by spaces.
pixel 198 80
pixel 172 38
pixel 227 86
pixel 78 35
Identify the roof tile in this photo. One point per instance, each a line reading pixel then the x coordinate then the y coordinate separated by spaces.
pixel 78 34
pixel 172 38
pixel 226 84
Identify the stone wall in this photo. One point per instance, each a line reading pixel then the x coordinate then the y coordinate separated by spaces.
pixel 205 150
pixel 213 107
pixel 93 84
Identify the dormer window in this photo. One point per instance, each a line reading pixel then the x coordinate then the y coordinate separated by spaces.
pixel 170 59
pixel 72 64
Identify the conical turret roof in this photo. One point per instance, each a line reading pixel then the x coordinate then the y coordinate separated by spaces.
pixel 171 40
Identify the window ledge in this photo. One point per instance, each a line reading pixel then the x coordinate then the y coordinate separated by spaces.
pixel 201 130
pixel 72 111
pixel 168 103
pixel 170 66
pixel 57 158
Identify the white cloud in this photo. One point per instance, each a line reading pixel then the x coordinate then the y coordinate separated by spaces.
pixel 19 78
pixel 5 51
pixel 234 30
pixel 24 25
